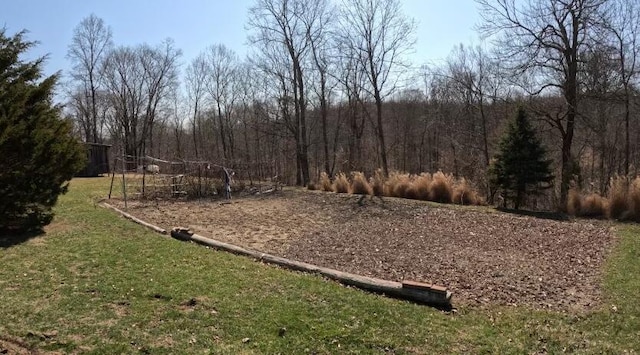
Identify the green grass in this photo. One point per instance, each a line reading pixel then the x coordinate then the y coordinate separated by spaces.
pixel 97 283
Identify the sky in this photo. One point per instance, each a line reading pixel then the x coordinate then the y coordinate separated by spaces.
pixel 197 24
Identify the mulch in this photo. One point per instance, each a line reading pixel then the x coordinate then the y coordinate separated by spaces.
pixel 483 256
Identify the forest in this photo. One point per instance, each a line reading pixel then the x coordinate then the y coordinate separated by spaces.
pixel 328 88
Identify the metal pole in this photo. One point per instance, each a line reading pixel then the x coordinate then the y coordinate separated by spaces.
pixel 124 186
pixel 113 177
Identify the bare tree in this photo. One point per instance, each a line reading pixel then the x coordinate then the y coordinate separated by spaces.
pixel 124 82
pixel 138 80
pixel 160 68
pixel 221 65
pixel 278 26
pixel 351 78
pixel 317 22
pixel 90 43
pixel 196 81
pixel 622 24
pixel 380 34
pixel 542 40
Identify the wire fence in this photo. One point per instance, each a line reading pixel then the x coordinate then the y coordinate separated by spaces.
pixel 153 178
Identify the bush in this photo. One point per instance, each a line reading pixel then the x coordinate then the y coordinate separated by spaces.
pixel 440 189
pixel 574 202
pixel 419 188
pixel 520 167
pixel 377 183
pixel 464 194
pixel 618 198
pixel 311 186
pixel 341 184
pixel 397 185
pixel 593 205
pixel 39 153
pixel 325 182
pixel 360 185
pixel 634 199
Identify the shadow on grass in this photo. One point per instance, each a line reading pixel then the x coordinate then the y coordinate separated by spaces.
pixel 9 239
pixel 556 216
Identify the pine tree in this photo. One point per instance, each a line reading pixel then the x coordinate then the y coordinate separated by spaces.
pixel 520 168
pixel 38 154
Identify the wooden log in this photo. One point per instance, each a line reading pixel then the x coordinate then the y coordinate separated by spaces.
pixel 409 290
pixel 137 220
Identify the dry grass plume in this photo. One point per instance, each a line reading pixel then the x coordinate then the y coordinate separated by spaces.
pixel 377 183
pixel 341 184
pixel 359 184
pixel 574 202
pixel 419 189
pixel 441 188
pixel 465 194
pixel 618 198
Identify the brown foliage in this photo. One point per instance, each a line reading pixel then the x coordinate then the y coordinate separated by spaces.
pixel 634 199
pixel 397 184
pixel 593 205
pixel 618 198
pixel 574 202
pixel 465 194
pixel 441 188
pixel 359 184
pixel 419 189
pixel 325 182
pixel 341 184
pixel 377 183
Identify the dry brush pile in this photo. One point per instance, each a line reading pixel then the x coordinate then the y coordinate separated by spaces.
pixel 438 187
pixel 621 202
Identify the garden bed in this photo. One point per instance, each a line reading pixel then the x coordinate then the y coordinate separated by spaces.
pixel 484 257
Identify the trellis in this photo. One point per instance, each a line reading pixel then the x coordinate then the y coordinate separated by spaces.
pixel 154 178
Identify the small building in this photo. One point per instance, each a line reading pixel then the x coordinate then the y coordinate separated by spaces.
pixel 97 160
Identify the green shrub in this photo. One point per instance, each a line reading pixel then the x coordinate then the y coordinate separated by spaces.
pixel 39 153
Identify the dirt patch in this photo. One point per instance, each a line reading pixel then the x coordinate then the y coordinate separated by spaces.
pixel 9 345
pixel 484 257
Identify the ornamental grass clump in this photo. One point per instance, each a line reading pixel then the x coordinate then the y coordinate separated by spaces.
pixel 441 188
pixel 341 184
pixel 359 184
pixel 465 194
pixel 325 182
pixel 419 189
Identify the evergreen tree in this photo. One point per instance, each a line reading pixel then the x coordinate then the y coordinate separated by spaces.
pixel 38 154
pixel 520 167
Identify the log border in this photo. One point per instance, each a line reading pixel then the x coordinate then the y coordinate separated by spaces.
pixel 135 219
pixel 428 294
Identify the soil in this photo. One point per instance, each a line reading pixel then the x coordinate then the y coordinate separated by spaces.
pixel 483 256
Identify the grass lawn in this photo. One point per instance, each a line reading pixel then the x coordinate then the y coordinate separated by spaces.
pixel 98 283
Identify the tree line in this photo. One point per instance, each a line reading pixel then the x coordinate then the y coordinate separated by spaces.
pixel 327 87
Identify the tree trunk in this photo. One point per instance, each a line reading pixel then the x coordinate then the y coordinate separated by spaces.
pixel 380 131
pixel 323 115
pixel 222 134
pixel 626 125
